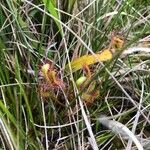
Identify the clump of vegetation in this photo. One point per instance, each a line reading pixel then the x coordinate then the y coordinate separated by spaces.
pixel 66 63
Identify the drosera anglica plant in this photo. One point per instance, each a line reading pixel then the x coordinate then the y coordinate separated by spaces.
pixel 51 84
pixel 92 92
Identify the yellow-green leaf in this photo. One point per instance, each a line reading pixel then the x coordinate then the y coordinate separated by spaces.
pixel 89 60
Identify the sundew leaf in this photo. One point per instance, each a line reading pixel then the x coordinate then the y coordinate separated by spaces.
pixel 105 55
pixel 90 59
pixel 51 8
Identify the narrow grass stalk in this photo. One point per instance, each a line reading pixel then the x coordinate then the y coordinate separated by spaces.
pixel 45 129
pixel 7 136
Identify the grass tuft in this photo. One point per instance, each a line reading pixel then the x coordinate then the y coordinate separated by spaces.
pixel 59 108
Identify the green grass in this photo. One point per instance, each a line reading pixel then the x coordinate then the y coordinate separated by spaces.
pixel 33 33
